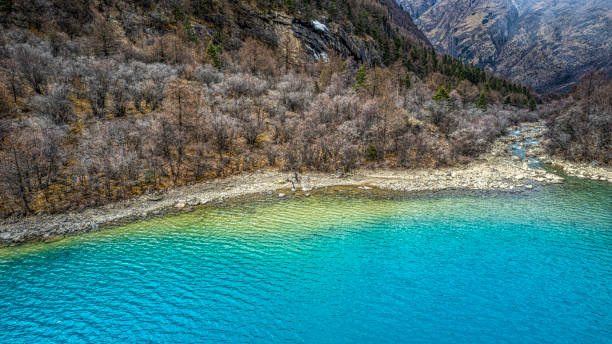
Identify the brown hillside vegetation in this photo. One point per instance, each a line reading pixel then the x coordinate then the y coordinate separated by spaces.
pixel 580 126
pixel 101 100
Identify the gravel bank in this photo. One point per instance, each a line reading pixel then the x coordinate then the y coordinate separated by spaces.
pixel 497 170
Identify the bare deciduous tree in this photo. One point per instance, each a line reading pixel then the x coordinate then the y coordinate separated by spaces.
pixel 99 79
pixel 35 64
pixel 56 104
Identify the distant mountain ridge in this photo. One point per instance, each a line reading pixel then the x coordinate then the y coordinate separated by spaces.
pixel 547 44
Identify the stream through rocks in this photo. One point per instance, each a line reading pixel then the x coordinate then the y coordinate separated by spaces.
pixel 526 144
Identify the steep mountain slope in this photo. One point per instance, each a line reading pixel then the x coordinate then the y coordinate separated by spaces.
pixel 547 44
pixel 364 30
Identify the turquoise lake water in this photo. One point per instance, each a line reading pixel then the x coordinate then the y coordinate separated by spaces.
pixel 337 267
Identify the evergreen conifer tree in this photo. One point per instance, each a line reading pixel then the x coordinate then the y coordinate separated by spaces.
pixel 361 77
pixel 532 104
pixel 442 94
pixel 481 103
pixel 214 53
pixel 407 81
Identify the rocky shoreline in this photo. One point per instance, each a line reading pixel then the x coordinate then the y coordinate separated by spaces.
pixel 499 169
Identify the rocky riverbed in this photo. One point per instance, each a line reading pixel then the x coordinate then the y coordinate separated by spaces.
pixel 503 168
pixel 530 146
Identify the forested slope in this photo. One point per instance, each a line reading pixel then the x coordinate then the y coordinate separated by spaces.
pixel 101 100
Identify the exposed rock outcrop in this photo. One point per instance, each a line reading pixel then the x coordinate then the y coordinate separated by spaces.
pixel 319 36
pixel 318 39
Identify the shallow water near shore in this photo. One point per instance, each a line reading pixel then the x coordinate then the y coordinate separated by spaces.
pixel 336 267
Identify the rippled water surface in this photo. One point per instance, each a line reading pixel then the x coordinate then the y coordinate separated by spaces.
pixel 336 267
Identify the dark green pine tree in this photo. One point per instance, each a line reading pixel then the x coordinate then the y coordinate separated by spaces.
pixel 481 103
pixel 434 59
pixel 442 94
pixel 361 77
pixel 214 53
pixel 424 59
pixel 290 5
pixel 532 105
pixel 408 64
pixel 6 6
pixel 407 81
pixel 332 9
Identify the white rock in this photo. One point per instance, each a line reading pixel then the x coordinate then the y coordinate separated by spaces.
pixel 306 183
pixel 319 26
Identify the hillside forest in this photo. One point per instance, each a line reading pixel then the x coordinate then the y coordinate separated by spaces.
pixel 102 100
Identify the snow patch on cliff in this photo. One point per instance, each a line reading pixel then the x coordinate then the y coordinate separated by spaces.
pixel 319 26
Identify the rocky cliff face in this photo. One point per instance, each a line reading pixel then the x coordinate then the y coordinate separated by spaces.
pixel 318 34
pixel 547 44
pixel 314 38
